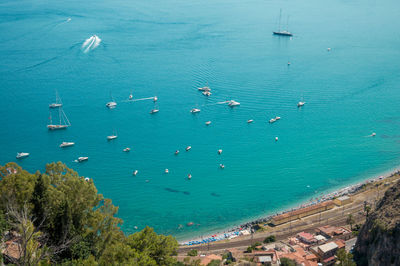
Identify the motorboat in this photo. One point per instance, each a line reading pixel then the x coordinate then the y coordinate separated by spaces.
pixel 208 123
pixel 233 103
pixel 222 166
pixel 276 138
pixel 206 93
pixel 195 110
pixel 300 104
pixel 166 171
pixel 135 172
pixel 250 121
pixel 131 96
pixel 188 148
pixel 111 104
pixel 21 155
pixel 272 120
pixel 82 159
pixel 329 49
pixel 126 149
pixel 153 111
pixel 189 176
pixel 219 151
pixel 155 99
pixel 373 134
pixel 66 144
pixel 277 118
pixel 176 152
pixel 205 88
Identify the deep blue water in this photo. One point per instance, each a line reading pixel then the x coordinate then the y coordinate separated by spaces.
pixel 169 49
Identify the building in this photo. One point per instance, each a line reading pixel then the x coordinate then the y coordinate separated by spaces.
pixel 306 238
pixel 268 257
pixel 329 231
pixel 320 239
pixel 343 200
pixel 326 253
pixel 303 212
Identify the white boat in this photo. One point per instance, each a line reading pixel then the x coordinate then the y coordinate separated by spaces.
pixel 272 120
pixel 113 136
pixel 21 155
pixel 208 123
pixel 188 148
pixel 82 159
pixel 219 151
pixel 155 99
pixel 277 118
pixel 166 171
pixel 111 104
pixel 131 96
pixel 282 32
pixel 176 152
pixel 195 110
pixel 205 88
pixel 153 111
pixel 135 172
pixel 300 104
pixel 58 102
pixel 206 93
pixel 189 176
pixel 66 144
pixel 127 149
pixel 222 166
pixel 329 49
pixel 63 121
pixel 276 138
pixel 373 134
pixel 250 121
pixel 233 103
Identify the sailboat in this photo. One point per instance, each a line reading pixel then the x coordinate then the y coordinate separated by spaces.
pixel 113 136
pixel 63 121
pixel 155 109
pixel 112 103
pixel 281 32
pixel 58 102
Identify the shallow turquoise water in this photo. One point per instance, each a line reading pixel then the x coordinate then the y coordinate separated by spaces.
pixel 169 49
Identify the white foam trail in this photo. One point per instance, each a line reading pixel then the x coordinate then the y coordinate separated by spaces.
pixel 91 43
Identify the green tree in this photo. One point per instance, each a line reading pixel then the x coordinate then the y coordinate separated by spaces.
pixel 270 239
pixel 288 262
pixel 39 200
pixel 214 263
pixel 344 258
pixel 192 252
pixel 350 221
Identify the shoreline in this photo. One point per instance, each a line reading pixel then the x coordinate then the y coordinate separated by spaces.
pixel 246 227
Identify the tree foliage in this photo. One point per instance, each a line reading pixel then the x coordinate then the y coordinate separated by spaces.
pixel 62 209
pixel 344 258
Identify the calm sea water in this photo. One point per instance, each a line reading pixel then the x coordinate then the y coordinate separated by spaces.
pixel 169 49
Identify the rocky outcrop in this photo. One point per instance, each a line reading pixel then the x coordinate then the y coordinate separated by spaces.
pixel 378 242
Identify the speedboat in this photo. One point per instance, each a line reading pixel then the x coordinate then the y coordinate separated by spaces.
pixel 206 93
pixel 277 118
pixel 135 172
pixel 21 155
pixel 250 121
pixel 111 105
pixel 166 171
pixel 276 138
pixel 112 137
pixel 329 49
pixel 195 110
pixel 233 103
pixel 176 152
pixel 373 134
pixel 188 148
pixel 208 123
pixel 155 99
pixel 219 151
pixel 222 166
pixel 205 88
pixel 66 144
pixel 189 176
pixel 127 149
pixel 300 104
pixel 130 96
pixel 82 159
pixel 153 111
pixel 272 120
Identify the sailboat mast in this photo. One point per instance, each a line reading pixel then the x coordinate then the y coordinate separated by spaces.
pixel 59 114
pixel 280 17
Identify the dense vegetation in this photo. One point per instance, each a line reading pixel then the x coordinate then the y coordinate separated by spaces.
pixel 59 218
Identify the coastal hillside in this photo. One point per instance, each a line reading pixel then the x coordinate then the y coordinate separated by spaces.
pixel 378 242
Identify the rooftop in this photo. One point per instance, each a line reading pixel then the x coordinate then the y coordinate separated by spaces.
pixel 328 247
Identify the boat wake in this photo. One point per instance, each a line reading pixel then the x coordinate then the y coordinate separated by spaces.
pixel 91 43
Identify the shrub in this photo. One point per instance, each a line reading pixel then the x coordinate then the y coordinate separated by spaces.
pixel 270 239
pixel 192 253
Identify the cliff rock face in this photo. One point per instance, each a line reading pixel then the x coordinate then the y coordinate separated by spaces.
pixel 378 242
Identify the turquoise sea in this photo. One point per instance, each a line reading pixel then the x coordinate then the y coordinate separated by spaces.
pixel 169 49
